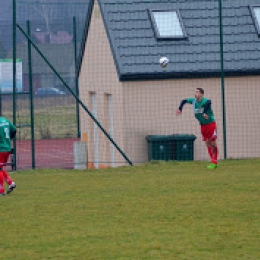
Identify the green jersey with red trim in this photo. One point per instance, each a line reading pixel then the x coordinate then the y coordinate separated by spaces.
pixel 6 131
pixel 198 109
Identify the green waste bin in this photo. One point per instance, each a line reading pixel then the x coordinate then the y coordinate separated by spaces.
pixel 183 147
pixel 160 147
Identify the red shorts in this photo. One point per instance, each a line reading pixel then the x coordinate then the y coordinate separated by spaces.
pixel 209 132
pixel 4 158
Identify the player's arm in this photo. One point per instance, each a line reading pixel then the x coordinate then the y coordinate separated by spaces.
pixel 206 108
pixel 13 134
pixel 183 102
pixel 12 131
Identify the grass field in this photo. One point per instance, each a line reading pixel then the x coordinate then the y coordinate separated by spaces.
pixel 175 210
pixel 54 117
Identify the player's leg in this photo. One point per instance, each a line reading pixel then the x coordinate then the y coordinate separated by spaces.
pixel 2 189
pixel 205 137
pixel 214 159
pixel 209 135
pixel 209 148
pixel 215 151
pixel 7 178
pixel 213 142
pixel 3 160
pixel 10 182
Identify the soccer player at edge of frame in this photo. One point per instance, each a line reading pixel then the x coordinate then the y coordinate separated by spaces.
pixel 204 114
pixel 7 132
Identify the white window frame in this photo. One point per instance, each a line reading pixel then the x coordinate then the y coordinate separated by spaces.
pixel 157 29
pixel 256 18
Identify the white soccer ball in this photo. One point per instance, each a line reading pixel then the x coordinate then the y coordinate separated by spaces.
pixel 164 61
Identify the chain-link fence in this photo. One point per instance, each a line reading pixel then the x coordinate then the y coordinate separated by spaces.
pixel 45 113
pixel 128 99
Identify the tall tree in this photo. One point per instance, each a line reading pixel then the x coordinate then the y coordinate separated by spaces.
pixel 47 11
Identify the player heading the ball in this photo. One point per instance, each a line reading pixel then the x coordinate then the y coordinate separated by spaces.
pixel 204 114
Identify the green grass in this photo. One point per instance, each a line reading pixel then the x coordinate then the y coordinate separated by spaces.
pixel 54 117
pixel 154 211
pixel 55 123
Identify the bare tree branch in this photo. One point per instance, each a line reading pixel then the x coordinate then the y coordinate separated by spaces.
pixel 46 13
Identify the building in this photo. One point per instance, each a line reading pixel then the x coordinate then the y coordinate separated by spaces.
pixel 123 85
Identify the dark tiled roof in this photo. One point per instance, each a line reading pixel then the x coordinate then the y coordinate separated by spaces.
pixel 136 50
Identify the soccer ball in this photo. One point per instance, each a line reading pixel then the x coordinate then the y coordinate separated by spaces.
pixel 164 61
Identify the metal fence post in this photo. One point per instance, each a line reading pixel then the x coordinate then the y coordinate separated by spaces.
pixel 222 78
pixel 31 95
pixel 14 78
pixel 76 74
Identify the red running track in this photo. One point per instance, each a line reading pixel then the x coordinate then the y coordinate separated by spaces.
pixel 51 153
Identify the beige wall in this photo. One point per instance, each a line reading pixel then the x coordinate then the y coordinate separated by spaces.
pixel 152 105
pixel 243 120
pixel 98 75
pixel 144 108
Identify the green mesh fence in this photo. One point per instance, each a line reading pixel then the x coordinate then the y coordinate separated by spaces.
pixel 56 29
pixel 212 45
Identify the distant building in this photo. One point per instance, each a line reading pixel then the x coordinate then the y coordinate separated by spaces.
pixel 60 37
pixel 60 56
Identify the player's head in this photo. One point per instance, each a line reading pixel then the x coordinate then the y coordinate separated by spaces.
pixel 199 92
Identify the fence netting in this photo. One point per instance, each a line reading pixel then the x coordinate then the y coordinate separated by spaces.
pixel 133 98
pixel 56 28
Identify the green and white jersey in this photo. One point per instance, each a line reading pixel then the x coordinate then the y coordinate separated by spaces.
pixel 198 109
pixel 6 131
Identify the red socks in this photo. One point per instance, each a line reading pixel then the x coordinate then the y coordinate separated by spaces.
pixel 213 153
pixel 7 177
pixel 210 151
pixel 1 182
pixel 4 177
